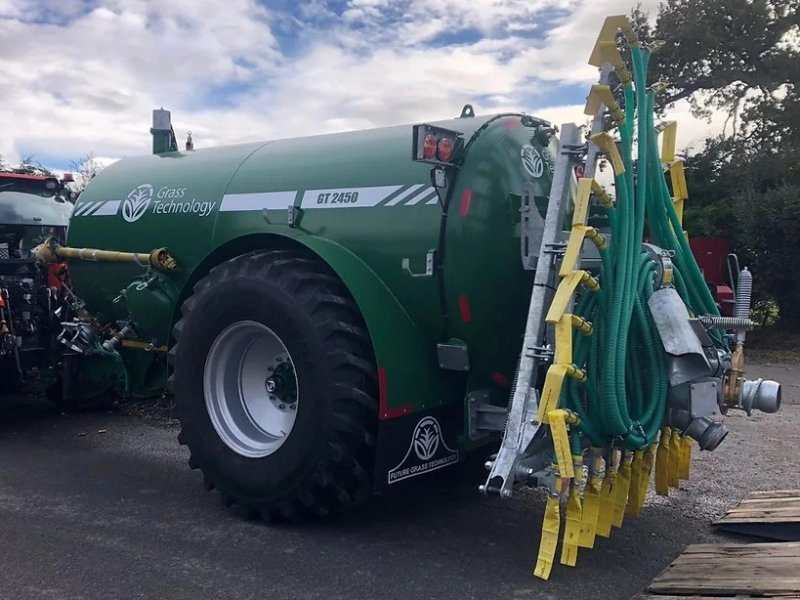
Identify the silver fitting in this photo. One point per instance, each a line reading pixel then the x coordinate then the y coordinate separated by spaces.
pixel 707 432
pixel 761 394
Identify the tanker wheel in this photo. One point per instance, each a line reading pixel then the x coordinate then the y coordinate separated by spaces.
pixel 276 388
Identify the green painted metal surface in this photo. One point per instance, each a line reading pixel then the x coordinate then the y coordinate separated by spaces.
pixel 363 205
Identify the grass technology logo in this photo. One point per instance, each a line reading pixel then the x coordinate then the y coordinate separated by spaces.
pixel 136 202
pixel 428 451
pixel 166 201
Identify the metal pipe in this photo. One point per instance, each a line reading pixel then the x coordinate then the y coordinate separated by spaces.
pixel 744 295
pixel 737 323
pixel 51 251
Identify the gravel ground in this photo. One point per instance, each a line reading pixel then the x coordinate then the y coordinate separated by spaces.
pixel 102 506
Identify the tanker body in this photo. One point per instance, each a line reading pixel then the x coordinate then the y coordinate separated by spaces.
pixel 334 302
pixel 336 315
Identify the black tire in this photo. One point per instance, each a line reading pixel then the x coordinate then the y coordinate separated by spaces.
pixel 325 465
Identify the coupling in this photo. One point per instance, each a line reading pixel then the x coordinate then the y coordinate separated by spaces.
pixel 761 394
pixel 707 432
pixel 691 405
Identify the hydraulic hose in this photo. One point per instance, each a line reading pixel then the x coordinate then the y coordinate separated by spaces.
pixel 623 399
pixel 605 395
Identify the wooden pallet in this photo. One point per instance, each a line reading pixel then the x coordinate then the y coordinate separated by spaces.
pixel 730 571
pixel 772 515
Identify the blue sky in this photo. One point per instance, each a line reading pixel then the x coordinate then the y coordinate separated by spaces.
pixel 84 75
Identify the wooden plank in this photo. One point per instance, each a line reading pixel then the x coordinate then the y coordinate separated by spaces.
pixel 742 550
pixel 671 597
pixel 771 515
pixel 771 569
pixel 783 531
pixel 765 503
pixel 693 597
pixel 787 511
pixel 753 521
pixel 774 494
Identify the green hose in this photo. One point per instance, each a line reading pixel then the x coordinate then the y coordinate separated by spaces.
pixel 623 400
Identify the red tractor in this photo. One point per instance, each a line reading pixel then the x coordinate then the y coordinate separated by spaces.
pixel 718 265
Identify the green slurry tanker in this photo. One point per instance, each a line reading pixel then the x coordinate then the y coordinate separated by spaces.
pixel 336 315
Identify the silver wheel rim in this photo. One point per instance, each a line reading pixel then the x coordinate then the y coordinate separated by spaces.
pixel 250 389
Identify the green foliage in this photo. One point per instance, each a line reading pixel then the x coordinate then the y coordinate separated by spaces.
pixel 765 313
pixel 741 57
pixel 770 242
pixel 734 55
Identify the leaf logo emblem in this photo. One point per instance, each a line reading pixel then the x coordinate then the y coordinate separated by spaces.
pixel 532 160
pixel 136 202
pixel 426 438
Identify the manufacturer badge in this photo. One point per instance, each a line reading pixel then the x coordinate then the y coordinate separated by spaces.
pixel 427 452
pixel 136 202
pixel 532 161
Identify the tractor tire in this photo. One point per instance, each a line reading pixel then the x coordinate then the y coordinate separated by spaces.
pixel 280 447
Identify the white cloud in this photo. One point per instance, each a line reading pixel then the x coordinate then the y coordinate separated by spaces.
pixel 79 82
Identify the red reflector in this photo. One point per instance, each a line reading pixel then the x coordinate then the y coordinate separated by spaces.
pixel 385 411
pixel 500 379
pixel 445 149
pixel 579 171
pixel 428 147
pixel 463 306
pixel 466 202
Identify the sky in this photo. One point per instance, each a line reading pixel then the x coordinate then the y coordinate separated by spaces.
pixel 83 76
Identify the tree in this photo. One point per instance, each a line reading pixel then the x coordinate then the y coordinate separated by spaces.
pixel 86 167
pixel 741 57
pixel 736 55
pixel 29 165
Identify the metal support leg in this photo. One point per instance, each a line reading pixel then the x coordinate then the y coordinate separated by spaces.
pixel 522 425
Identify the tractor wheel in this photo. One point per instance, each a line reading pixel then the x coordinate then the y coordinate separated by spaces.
pixel 276 388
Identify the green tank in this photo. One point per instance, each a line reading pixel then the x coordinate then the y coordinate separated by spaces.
pixel 401 294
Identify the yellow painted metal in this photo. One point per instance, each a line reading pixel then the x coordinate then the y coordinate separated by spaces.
pixel 591 499
pixel 686 458
pixel 550 529
pixel 662 462
pixel 606 514
pixel 608 33
pixel 572 521
pixel 635 490
pixel 601 95
pixel 606 144
pixel 622 488
pixel 669 135
pixel 680 191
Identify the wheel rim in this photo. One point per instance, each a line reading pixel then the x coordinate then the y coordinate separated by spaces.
pixel 250 389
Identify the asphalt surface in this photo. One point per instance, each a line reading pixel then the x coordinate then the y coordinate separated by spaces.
pixel 103 506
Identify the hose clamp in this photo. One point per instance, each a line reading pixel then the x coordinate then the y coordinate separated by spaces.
pixel 665 272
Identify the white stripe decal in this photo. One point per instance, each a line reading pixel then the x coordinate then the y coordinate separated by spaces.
pixel 433 200
pixel 83 208
pixel 109 208
pixel 347 197
pixel 420 196
pixel 409 192
pixel 257 201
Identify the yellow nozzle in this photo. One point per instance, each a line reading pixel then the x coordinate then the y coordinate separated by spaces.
pixel 606 144
pixel 602 195
pixel 601 95
pixel 608 33
pixel 582 325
